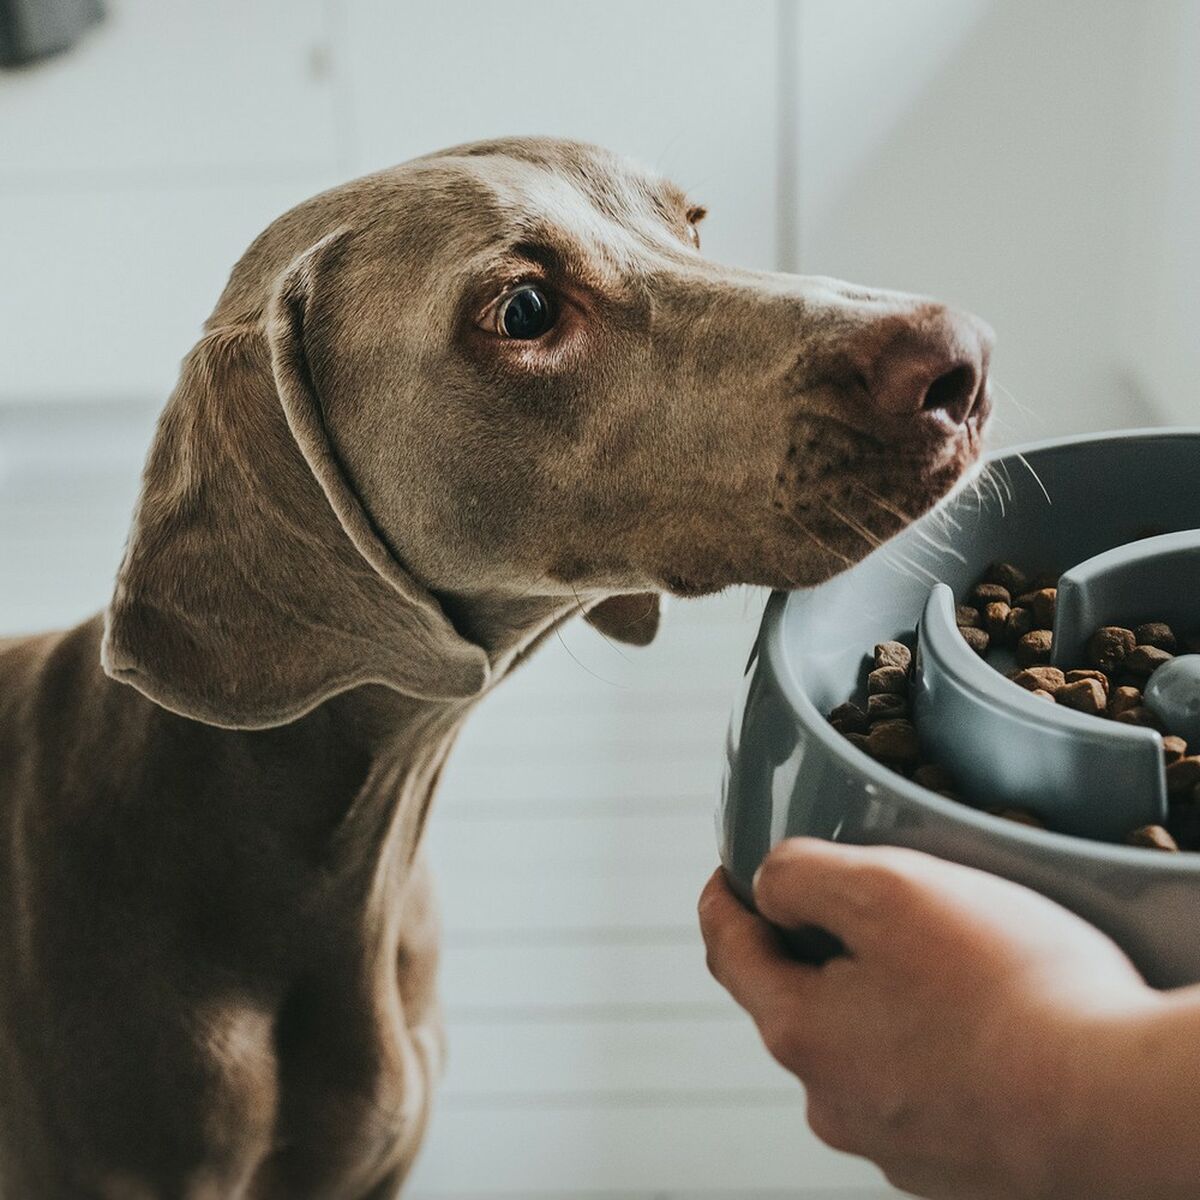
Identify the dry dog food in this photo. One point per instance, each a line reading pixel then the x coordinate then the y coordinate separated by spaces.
pixel 1013 610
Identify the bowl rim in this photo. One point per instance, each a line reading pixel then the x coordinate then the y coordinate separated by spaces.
pixel 1186 862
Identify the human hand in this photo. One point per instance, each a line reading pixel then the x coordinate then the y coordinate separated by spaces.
pixel 969 1044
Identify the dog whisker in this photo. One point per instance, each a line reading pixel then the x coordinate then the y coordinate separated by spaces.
pixel 1036 477
pixel 583 613
pixel 870 538
pixel 812 537
pixel 584 666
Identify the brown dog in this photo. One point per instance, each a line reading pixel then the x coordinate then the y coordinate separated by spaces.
pixel 436 412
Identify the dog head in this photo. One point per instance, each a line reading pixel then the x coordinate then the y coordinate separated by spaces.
pixel 506 372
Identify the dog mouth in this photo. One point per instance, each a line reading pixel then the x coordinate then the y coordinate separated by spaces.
pixel 861 491
pixel 839 494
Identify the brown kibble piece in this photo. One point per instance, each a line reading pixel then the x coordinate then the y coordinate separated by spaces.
pixel 849 718
pixel 893 741
pixel 934 777
pixel 1042 694
pixel 1098 676
pixel 983 594
pixel 1139 716
pixel 1020 815
pixel 1109 646
pixel 1019 623
pixel 1034 648
pixel 1043 608
pixel 1174 748
pixel 888 679
pixel 1157 634
pixel 1183 775
pixel 885 706
pixel 995 619
pixel 966 617
pixel 977 639
pixel 1123 699
pixel 1007 576
pixel 893 654
pixel 1145 660
pixel 1084 695
pixel 859 739
pixel 1048 679
pixel 1153 837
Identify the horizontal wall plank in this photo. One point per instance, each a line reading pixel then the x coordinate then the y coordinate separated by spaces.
pixel 168 85
pixel 509 1060
pixel 479 982
pixel 633 1146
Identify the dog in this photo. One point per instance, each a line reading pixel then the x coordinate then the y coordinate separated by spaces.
pixel 436 412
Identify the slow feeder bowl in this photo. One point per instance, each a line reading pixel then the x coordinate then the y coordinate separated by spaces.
pixel 1083 507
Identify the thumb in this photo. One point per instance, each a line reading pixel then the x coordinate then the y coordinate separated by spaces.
pixel 862 894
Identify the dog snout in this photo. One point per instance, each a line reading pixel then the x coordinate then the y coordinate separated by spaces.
pixel 932 365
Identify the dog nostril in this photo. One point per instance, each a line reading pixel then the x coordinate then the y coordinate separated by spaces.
pixel 952 393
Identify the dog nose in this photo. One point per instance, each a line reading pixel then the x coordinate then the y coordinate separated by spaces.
pixel 935 362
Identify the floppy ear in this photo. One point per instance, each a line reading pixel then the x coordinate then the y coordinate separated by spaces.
pixel 632 618
pixel 254 585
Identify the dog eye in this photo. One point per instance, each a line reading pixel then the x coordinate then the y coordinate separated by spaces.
pixel 525 315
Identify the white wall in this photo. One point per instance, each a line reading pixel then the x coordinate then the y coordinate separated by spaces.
pixel 1029 159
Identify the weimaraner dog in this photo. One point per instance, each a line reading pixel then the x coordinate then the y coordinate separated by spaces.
pixel 436 412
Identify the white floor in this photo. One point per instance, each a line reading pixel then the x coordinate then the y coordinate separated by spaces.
pixel 590 1052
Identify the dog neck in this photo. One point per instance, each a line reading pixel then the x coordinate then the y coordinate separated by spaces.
pixel 406 740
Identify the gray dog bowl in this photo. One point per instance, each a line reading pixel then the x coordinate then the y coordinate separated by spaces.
pixel 1066 505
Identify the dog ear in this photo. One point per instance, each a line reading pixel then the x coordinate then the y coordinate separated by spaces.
pixel 254 585
pixel 632 618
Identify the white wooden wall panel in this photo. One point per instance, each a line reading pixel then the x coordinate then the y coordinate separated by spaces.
pixel 687 86
pixel 105 288
pixel 660 1148
pixel 987 153
pixel 170 88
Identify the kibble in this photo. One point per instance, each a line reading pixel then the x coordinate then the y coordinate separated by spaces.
pixel 1157 634
pixel 893 654
pixel 1084 695
pixel 995 619
pixel 983 594
pixel 1153 837
pixel 884 706
pixel 1007 576
pixel 1140 716
pixel 1122 699
pixel 966 617
pixel 935 778
pixel 977 639
pixel 1183 775
pixel 1109 646
pixel 1145 660
pixel 1047 679
pixel 1174 748
pixel 1022 816
pixel 849 718
pixel 888 679
pixel 1011 609
pixel 893 741
pixel 1043 603
pixel 1034 648
pixel 1019 623
pixel 1098 676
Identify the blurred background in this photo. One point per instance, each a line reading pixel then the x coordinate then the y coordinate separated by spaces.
pixel 1033 160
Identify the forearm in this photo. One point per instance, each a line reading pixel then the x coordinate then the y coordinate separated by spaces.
pixel 1135 1098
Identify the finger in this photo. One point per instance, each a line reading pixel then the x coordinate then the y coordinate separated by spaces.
pixel 746 957
pixel 858 893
